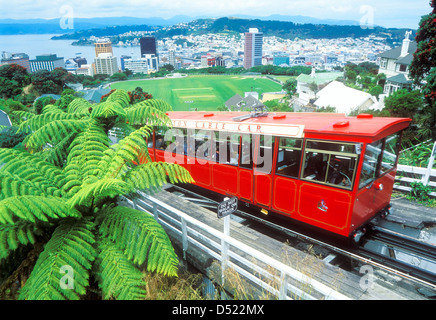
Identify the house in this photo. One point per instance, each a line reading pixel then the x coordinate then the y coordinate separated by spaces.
pixel 94 95
pixel 345 99
pixel 4 119
pixel 395 65
pixel 307 84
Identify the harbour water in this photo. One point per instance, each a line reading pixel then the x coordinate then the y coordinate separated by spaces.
pixel 37 44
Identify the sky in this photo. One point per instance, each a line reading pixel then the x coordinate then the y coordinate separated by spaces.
pixel 387 13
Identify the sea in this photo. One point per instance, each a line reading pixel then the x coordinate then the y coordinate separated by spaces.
pixel 38 44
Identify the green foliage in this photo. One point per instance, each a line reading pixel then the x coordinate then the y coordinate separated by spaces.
pixel 141 238
pixel 63 268
pixel 421 193
pixel 423 72
pixel 64 193
pixel 403 103
pixel 9 137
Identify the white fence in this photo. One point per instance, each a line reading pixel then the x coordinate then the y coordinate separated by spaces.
pixel 408 174
pixel 254 266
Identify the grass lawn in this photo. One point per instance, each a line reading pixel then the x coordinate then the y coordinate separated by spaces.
pixel 201 92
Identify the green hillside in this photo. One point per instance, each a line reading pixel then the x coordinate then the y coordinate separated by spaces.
pixel 201 92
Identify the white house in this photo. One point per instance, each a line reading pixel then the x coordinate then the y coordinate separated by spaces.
pixel 395 64
pixel 345 99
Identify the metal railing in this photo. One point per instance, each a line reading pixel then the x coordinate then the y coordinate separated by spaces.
pixel 257 268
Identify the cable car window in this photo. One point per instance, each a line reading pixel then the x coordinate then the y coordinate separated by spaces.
pixel 159 142
pixel 227 148
pixel 246 157
pixel 390 152
pixel 289 157
pixel 179 141
pixel 331 163
pixel 264 156
pixel 204 149
pixel 370 163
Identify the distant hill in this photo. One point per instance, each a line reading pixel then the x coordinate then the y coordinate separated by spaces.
pixel 288 27
pixel 291 30
pixel 40 26
pixel 301 19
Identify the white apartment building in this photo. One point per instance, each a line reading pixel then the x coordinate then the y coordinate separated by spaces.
pixel 136 65
pixel 86 69
pixel 106 63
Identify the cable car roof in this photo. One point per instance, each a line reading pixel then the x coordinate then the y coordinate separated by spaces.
pixel 295 124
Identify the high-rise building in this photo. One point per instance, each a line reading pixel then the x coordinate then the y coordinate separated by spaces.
pixel 21 59
pixel 103 46
pixel 46 61
pixel 106 63
pixel 172 57
pixel 253 48
pixel 148 46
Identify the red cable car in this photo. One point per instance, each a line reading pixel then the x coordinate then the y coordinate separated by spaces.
pixel 327 170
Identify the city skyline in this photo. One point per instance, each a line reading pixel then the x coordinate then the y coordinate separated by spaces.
pixel 388 13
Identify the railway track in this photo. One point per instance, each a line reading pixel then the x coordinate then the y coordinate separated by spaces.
pixel 384 249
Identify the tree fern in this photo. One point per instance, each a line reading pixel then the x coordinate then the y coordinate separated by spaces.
pixel 70 181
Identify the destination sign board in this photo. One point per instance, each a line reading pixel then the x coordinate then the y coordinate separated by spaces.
pixel 287 130
pixel 227 207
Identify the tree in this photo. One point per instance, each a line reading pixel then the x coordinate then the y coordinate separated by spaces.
pixel 290 87
pixel 9 88
pixel 423 71
pixel 403 103
pixel 63 193
pixel 118 76
pixel 376 91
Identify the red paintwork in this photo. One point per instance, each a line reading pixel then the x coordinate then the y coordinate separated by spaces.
pixel 299 199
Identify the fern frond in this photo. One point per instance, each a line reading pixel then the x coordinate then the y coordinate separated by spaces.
pixel 108 109
pixel 38 121
pixel 128 150
pixel 141 237
pixel 151 176
pixel 51 108
pixel 24 115
pixel 117 276
pixel 62 269
pixel 119 96
pixel 58 153
pixel 34 209
pixel 95 191
pixel 86 151
pixel 48 177
pixel 12 236
pixel 150 112
pixel 53 132
pixel 79 106
pixel 11 185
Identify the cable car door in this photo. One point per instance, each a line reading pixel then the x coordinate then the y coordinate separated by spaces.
pixel 263 164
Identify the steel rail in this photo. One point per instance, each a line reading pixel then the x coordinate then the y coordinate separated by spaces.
pixel 363 256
